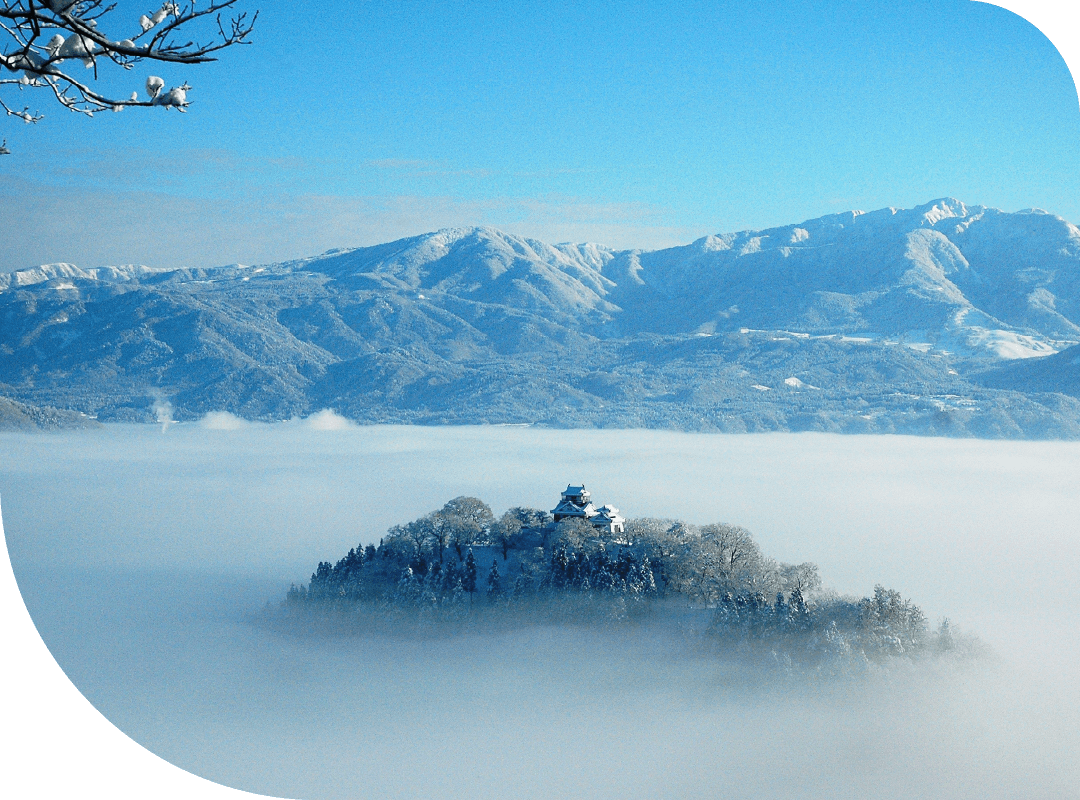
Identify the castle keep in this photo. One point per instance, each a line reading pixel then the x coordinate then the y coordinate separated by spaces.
pixel 577 502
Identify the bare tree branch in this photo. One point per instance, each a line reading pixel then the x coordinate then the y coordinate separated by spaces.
pixel 41 38
pixel 24 115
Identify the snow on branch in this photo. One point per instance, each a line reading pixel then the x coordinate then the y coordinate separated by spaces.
pixel 44 43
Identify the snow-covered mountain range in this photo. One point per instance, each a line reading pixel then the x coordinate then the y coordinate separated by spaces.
pixel 475 324
pixel 943 275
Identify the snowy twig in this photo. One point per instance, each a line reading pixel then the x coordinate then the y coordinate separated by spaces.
pixel 45 36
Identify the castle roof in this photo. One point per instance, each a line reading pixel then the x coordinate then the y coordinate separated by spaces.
pixel 609 513
pixel 568 508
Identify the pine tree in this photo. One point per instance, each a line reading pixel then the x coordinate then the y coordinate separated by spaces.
pixel 559 563
pixel 524 583
pixel 321 579
pixel 727 613
pixel 494 587
pixel 409 588
pixel 604 581
pixel 944 639
pixel 798 610
pixel 298 594
pixel 468 582
pixel 457 597
pixel 781 612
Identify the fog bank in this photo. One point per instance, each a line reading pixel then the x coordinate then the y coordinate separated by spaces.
pixel 142 555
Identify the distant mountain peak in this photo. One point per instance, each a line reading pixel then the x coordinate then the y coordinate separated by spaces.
pixel 944 208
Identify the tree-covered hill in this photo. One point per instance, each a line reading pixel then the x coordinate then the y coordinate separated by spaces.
pixel 460 568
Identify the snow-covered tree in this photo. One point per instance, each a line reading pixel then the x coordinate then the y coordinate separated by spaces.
pixel 887 615
pixel 409 588
pixel 410 541
pixel 504 531
pixel 571 534
pixel 468 581
pixel 60 47
pixel 469 512
pixel 798 611
pixel 559 563
pixel 468 521
pixel 781 611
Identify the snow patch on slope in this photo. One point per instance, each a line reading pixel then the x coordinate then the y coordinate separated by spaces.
pixel 58 272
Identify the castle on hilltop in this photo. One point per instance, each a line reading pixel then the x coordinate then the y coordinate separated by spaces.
pixel 577 502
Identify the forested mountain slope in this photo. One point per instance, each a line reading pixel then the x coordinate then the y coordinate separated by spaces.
pixel 894 320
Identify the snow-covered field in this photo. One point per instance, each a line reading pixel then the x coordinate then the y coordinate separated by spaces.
pixel 140 552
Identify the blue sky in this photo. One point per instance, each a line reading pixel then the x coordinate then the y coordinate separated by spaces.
pixel 632 124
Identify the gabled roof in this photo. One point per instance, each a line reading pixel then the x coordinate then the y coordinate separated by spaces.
pixel 610 513
pixel 569 509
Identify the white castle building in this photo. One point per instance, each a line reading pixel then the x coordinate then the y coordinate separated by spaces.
pixel 577 502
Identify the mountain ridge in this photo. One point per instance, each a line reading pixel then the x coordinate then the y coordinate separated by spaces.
pixel 475 324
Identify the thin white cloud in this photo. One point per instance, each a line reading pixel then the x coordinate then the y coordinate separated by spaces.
pixel 327 420
pixel 223 421
pixel 165 230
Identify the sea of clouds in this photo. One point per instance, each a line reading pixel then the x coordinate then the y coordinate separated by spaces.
pixel 145 553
